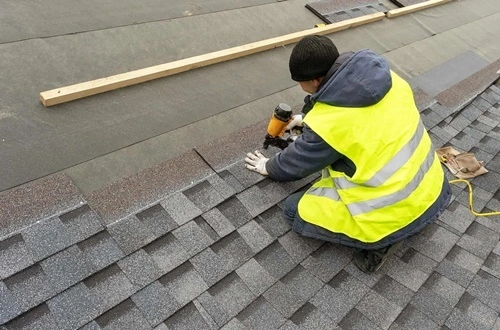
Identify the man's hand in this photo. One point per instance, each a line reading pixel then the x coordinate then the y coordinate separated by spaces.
pixel 296 121
pixel 256 162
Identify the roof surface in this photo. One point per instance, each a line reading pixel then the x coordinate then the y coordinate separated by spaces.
pixel 199 242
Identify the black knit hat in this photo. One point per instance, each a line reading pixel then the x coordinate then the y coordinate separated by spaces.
pixel 312 57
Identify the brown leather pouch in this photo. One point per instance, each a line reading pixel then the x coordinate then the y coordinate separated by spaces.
pixel 463 165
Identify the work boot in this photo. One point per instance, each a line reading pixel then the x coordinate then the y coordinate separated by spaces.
pixel 369 261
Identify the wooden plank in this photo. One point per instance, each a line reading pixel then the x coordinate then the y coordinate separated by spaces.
pixel 413 8
pixel 81 90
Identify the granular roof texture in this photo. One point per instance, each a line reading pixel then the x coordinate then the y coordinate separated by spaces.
pixel 217 254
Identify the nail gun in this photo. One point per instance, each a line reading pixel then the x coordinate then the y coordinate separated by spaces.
pixel 280 118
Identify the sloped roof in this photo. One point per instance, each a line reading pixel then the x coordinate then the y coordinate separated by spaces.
pixel 199 242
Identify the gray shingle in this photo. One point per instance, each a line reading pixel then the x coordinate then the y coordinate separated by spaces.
pixel 273 222
pixel 211 267
pixel 255 277
pixel 245 177
pixel 437 297
pixel 47 237
pixel 472 112
pixel 418 261
pixel 203 195
pixel 261 315
pixel 262 196
pixel 233 250
pixel 368 279
pixel 488 144
pixel 275 260
pixel 130 234
pixel 180 208
pixel 14 256
pixel 192 238
pixel 486 288
pixel 231 180
pixel 235 212
pixel 479 240
pixel 30 287
pixel 481 103
pixel 457 215
pixel 460 122
pixel 225 189
pixel 9 307
pixel 408 276
pixel 140 269
pixel 157 220
pixel 355 320
pixel 299 247
pixel 218 222
pixel 327 261
pixel 381 311
pixel 480 199
pixel 100 251
pixel 434 242
pixel 488 182
pixel 184 283
pixel 309 317
pixel 464 142
pixel 492 264
pixel 470 311
pixel 481 126
pixel 340 296
pixel 125 316
pixel 109 287
pixel 234 324
pixel 293 290
pixel 167 252
pixel 155 303
pixel 460 266
pixel 73 308
pixel 255 236
pixel 38 318
pixel 91 326
pixel 412 319
pixel 187 318
pixel 393 291
pixel 293 186
pixel 81 223
pixel 66 268
pixel 226 299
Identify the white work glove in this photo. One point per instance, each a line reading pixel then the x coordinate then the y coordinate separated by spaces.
pixel 296 121
pixel 256 162
pixel 294 127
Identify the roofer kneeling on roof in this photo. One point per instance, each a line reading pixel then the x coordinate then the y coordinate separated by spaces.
pixel 381 180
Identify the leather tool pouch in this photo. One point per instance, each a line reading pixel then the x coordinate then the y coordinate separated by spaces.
pixel 462 165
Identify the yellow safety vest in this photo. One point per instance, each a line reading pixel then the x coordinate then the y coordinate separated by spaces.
pixel 398 176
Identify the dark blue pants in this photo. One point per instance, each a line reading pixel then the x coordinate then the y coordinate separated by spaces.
pixel 307 229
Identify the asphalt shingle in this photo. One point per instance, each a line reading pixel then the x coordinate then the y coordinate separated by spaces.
pixel 187 318
pixel 219 223
pixel 471 313
pixel 460 266
pixel 486 288
pixel 255 236
pixel 261 315
pixel 47 237
pixel 167 252
pixel 124 316
pixel 275 260
pixel 262 196
pixel 140 268
pixel 14 256
pixel 9 307
pixel 293 290
pixel 299 247
pixel 378 309
pixel 204 196
pixel 255 277
pixel 73 308
pixel 81 223
pixel 434 242
pixel 192 237
pixel 340 296
pixel 30 287
pixel 355 320
pixel 273 222
pixel 155 303
pixel 418 261
pixel 235 212
pixel 180 208
pixel 39 318
pixel 479 240
pixel 157 220
pixel 130 234
pixel 109 287
pixel 309 317
pixel 226 299
pixel 393 291
pixel 66 268
pixel 184 283
pixel 100 251
pixel 327 261
pixel 412 319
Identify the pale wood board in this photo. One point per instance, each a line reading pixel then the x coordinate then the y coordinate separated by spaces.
pixel 81 90
pixel 413 8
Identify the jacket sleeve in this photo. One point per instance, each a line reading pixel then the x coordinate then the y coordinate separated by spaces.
pixel 307 155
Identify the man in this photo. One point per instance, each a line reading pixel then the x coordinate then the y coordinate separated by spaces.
pixel 381 180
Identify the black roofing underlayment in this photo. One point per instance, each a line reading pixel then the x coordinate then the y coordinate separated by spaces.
pixel 212 250
pixel 333 11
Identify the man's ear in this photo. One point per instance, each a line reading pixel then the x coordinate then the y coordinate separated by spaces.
pixel 317 81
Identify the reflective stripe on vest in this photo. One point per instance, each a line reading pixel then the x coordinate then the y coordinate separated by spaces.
pixel 390 168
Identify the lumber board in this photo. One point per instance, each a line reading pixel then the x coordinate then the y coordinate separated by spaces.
pixel 413 8
pixel 84 89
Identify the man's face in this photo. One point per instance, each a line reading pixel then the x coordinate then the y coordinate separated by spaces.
pixel 310 86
